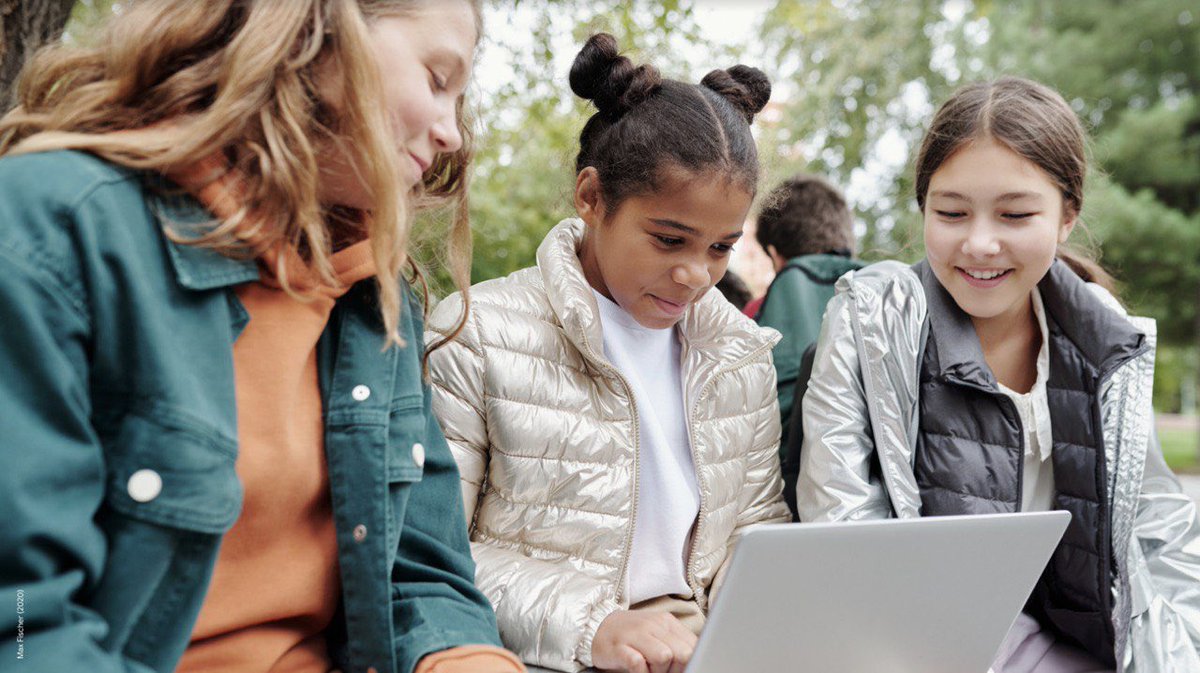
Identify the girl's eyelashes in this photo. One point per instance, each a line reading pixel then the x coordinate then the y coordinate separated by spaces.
pixel 958 215
pixel 437 82
pixel 721 249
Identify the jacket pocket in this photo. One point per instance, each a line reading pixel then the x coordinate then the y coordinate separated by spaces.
pixel 407 442
pixel 171 492
pixel 168 470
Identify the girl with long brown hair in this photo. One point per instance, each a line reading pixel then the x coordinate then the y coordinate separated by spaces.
pixel 1001 375
pixel 218 449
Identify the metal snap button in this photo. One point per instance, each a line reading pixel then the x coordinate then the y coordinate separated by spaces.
pixel 360 393
pixel 360 533
pixel 418 454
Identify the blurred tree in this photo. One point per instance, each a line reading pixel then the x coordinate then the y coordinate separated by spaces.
pixel 26 25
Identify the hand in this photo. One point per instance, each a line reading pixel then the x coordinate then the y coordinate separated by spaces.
pixel 642 642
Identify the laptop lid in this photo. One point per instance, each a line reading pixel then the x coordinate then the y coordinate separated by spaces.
pixel 930 595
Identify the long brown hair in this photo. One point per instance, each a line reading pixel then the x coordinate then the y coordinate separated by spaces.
pixel 1030 119
pixel 172 82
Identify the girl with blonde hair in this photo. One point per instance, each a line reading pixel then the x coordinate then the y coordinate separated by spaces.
pixel 219 452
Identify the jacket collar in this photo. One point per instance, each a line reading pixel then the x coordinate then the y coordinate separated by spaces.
pixel 1090 318
pixel 1102 335
pixel 959 353
pixel 824 268
pixel 712 327
pixel 196 267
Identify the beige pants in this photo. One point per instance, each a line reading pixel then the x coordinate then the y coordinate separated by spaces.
pixel 684 609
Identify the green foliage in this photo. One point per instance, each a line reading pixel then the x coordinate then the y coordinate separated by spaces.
pixel 1180 449
pixel 1153 249
pixel 1174 368
pixel 1172 170
pixel 849 71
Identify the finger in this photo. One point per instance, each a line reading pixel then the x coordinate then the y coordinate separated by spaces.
pixel 684 634
pixel 657 653
pixel 682 643
pixel 631 659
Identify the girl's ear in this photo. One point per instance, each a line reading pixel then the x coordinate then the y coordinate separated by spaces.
pixel 588 202
pixel 1070 216
pixel 776 258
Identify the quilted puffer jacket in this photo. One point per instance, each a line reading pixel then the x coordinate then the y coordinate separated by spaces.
pixel 545 431
pixel 862 436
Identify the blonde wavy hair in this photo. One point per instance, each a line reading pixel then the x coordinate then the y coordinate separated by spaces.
pixel 172 82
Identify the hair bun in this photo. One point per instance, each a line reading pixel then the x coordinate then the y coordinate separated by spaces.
pixel 747 88
pixel 611 81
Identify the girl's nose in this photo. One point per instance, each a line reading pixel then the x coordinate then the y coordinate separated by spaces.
pixel 981 241
pixel 692 274
pixel 445 134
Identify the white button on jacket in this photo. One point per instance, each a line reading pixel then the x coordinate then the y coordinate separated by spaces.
pixel 144 485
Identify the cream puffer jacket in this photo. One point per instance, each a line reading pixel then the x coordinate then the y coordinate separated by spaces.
pixel 545 432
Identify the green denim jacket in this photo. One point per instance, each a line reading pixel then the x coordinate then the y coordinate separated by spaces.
pixel 115 360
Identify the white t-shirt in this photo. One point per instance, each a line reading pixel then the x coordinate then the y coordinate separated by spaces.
pixel 1037 483
pixel 668 494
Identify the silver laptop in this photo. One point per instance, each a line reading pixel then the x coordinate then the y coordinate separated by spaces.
pixel 934 595
pixel 931 595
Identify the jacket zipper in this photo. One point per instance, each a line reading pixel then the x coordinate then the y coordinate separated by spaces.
pixel 637 448
pixel 1117 621
pixel 690 569
pixel 637 440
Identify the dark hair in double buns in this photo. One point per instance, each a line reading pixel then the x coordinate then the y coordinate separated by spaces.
pixel 645 125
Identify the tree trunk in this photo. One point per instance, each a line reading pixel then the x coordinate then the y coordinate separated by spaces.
pixel 25 26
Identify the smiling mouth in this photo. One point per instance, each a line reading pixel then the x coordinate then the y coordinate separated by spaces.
pixel 984 278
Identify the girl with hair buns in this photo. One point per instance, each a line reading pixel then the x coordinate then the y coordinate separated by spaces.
pixel 219 453
pixel 613 416
pixel 1001 375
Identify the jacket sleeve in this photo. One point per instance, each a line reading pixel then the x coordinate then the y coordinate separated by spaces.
pixel 52 481
pixel 456 373
pixel 762 496
pixel 1165 572
pixel 435 603
pixel 835 481
pixel 547 612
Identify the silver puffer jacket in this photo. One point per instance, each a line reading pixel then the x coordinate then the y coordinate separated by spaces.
pixel 862 399
pixel 545 432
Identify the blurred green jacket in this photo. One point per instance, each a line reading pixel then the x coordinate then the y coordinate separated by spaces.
pixel 794 305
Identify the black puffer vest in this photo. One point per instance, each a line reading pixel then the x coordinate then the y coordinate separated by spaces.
pixel 970 445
